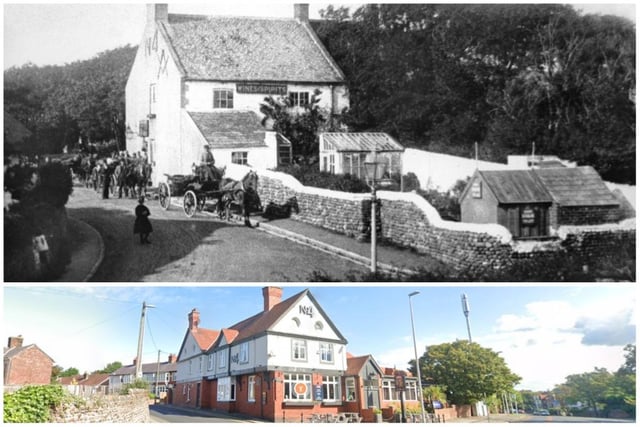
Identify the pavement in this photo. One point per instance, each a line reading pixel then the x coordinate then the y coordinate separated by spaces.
pixel 89 248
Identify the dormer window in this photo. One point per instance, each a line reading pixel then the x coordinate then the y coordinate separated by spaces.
pixel 223 98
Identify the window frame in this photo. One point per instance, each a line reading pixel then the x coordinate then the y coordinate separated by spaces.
pixel 289 382
pixel 350 389
pixel 240 157
pixel 331 386
pixel 226 389
pixel 243 356
pixel 326 349
pixel 299 350
pixel 251 388
pixel 223 98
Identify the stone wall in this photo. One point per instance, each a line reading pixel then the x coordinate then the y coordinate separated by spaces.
pixel 408 220
pixel 588 215
pixel 131 408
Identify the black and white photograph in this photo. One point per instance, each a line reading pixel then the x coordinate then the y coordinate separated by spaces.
pixel 308 142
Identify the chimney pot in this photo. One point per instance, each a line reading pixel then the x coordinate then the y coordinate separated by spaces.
pixel 157 12
pixel 194 319
pixel 15 342
pixel 173 358
pixel 272 296
pixel 301 12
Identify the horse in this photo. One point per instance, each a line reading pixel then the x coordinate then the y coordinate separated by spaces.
pixel 241 193
pixel 136 178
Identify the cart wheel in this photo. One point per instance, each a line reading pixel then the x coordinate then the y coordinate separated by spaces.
pixel 164 195
pixel 190 204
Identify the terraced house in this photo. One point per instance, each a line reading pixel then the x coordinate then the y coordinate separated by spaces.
pixel 201 79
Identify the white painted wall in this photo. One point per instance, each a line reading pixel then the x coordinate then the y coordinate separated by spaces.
pixel 190 354
pixel 441 171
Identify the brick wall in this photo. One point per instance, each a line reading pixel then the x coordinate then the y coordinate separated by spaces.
pixel 131 408
pixel 408 220
pixel 30 366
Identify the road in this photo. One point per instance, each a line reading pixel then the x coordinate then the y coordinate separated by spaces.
pixel 172 414
pixel 528 418
pixel 198 249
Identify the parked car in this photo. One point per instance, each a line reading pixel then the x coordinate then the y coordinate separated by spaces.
pixel 541 412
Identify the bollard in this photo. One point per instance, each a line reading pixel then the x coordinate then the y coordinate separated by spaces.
pixel 301 417
pixel 283 416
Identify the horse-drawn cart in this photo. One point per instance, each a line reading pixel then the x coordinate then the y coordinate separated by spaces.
pixel 186 191
pixel 196 194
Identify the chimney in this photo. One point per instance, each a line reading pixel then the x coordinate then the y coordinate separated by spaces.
pixel 157 12
pixel 173 358
pixel 15 342
pixel 301 12
pixel 272 296
pixel 194 320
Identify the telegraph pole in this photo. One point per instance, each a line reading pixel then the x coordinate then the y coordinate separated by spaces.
pixel 466 310
pixel 140 339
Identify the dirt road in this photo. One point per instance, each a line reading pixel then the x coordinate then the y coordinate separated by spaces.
pixel 199 249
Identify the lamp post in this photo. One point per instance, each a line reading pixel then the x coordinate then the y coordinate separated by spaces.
pixel 415 352
pixel 374 171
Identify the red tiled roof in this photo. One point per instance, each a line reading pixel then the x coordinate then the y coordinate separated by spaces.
pixel 262 321
pixel 230 129
pixel 205 337
pixel 355 364
pixel 249 49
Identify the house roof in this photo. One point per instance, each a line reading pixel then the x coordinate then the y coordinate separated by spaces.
pixel 249 49
pixel 10 353
pixel 515 186
pixel 230 129
pixel 265 320
pixel 84 379
pixel 147 368
pixel 362 141
pixel 355 364
pixel 204 337
pixel 580 186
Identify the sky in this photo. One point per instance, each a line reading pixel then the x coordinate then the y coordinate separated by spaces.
pixel 544 333
pixel 51 33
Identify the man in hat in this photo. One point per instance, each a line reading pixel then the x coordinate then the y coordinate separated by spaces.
pixel 207 163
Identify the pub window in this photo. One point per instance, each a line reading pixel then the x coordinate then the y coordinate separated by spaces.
pixel 251 395
pixel 226 389
pixel 297 387
pixel 326 352
pixel 244 352
pixel 299 99
pixel 222 98
pixel 210 364
pixel 143 128
pixel 239 157
pixel 350 385
pixel 331 388
pixel 222 360
pixel 152 93
pixel 299 350
pixel 388 388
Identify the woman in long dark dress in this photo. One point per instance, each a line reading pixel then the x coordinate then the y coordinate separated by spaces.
pixel 142 225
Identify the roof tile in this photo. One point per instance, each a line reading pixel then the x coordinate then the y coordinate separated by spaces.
pixel 230 129
pixel 249 49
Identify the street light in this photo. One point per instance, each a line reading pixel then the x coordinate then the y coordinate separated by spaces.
pixel 374 171
pixel 415 352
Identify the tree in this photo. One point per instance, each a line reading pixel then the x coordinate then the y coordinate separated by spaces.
pixel 301 128
pixel 468 372
pixel 590 388
pixel 110 368
pixel 69 372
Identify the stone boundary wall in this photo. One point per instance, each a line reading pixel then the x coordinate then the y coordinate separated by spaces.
pixel 408 220
pixel 131 408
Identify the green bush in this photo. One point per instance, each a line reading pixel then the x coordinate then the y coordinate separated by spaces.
pixel 32 404
pixel 137 384
pixel 54 187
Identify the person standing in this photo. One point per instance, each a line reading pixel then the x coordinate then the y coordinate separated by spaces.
pixel 106 183
pixel 142 225
pixel 207 162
